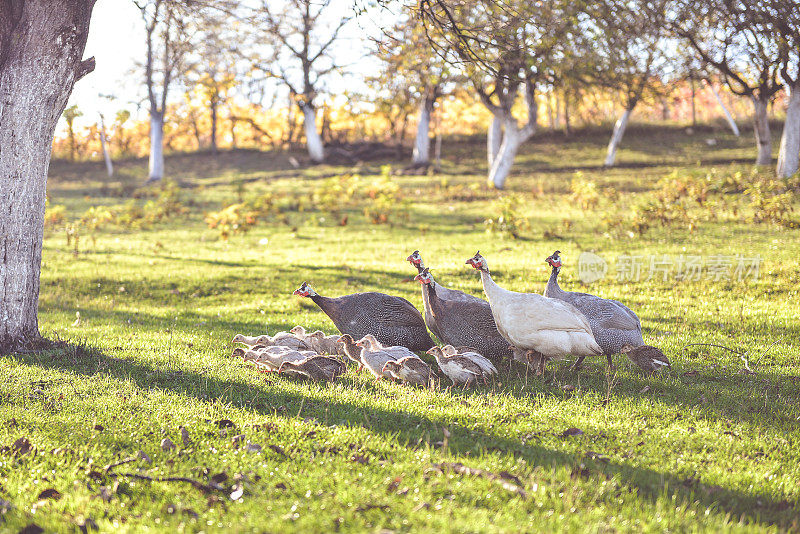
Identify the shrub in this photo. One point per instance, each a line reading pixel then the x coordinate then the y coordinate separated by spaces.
pixel 509 220
pixel 584 192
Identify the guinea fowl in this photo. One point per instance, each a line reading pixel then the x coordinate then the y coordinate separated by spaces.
pixel 458 369
pixel 317 340
pixel 272 358
pixel 484 363
pixel 375 360
pixel 409 371
pixel 649 359
pixel 529 321
pixel 282 339
pixel 462 322
pixel 317 368
pixel 350 349
pixel 392 320
pixel 613 324
pixel 397 351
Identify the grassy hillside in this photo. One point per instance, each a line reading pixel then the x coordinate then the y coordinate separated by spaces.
pixel 709 445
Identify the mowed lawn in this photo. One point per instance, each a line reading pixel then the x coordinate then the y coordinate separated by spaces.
pixel 706 446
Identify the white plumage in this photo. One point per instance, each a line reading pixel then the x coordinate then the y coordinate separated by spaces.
pixel 531 321
pixel 483 362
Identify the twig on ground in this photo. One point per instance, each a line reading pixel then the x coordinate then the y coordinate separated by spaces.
pixel 508 481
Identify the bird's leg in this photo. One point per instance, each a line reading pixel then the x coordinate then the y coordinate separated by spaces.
pixel 610 362
pixel 360 367
pixel 578 364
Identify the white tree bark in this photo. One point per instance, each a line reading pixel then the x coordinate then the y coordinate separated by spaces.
pixel 316 151
pixel 789 155
pixel 106 153
pixel 502 163
pixel 156 163
pixel 616 137
pixel 422 143
pixel 41 45
pixel 728 116
pixel 494 138
pixel 763 135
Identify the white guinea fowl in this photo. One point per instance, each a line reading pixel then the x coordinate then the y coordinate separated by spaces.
pixel 533 322
pixel 397 351
pixel 483 362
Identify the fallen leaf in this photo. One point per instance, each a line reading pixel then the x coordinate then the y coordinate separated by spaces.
pixel 690 373
pixel 22 446
pixel 225 423
pixel 219 478
pixel 280 485
pixel 278 449
pixel 99 428
pixel 253 447
pixel 32 528
pixel 394 484
pixel 105 493
pixel 645 389
pixel 185 437
pixel 12 423
pixel 167 445
pixel 50 493
pixel 237 439
pixel 572 431
pixel 360 459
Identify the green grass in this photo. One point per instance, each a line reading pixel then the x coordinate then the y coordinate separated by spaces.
pixel 705 447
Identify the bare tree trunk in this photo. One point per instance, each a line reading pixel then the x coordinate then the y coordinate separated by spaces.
pixel 316 150
pixel 41 45
pixel 616 137
pixel 789 155
pixel 494 139
pixel 567 125
pixel 694 106
pixel 156 163
pixel 214 104
pixel 763 136
pixel 104 146
pixel 728 116
pixel 422 143
pixel 505 157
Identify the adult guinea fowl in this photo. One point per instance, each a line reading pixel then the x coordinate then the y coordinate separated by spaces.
pixel 462 322
pixel 392 320
pixel 613 324
pixel 530 321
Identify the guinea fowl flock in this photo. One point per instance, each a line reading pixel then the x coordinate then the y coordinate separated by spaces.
pixel 382 333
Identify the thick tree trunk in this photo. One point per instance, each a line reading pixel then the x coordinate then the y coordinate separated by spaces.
pixel 728 116
pixel 422 143
pixel 494 139
pixel 156 163
pixel 789 155
pixel 505 158
pixel 616 137
pixel 567 125
pixel 763 135
pixel 41 45
pixel 316 151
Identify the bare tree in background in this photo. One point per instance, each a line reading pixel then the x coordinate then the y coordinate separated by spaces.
pixel 303 33
pixel 41 50
pixel 504 45
pixel 728 36
pixel 626 43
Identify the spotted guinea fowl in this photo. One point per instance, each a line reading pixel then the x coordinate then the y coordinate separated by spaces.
pixel 445 294
pixel 409 371
pixel 392 320
pixel 463 322
pixel 649 359
pixel 317 368
pixel 458 369
pixel 530 321
pixel 613 324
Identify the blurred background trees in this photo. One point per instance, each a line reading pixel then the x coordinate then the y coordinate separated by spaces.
pixel 219 75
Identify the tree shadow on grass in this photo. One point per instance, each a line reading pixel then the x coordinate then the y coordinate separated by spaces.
pixel 406 428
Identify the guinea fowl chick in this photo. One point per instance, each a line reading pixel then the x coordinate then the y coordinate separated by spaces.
pixel 397 351
pixel 486 366
pixel 458 369
pixel 374 360
pixel 322 342
pixel 271 358
pixel 317 368
pixel 409 371
pixel 536 361
pixel 350 349
pixel 283 339
pixel 648 358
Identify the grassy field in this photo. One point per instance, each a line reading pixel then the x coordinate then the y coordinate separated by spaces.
pixel 707 446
